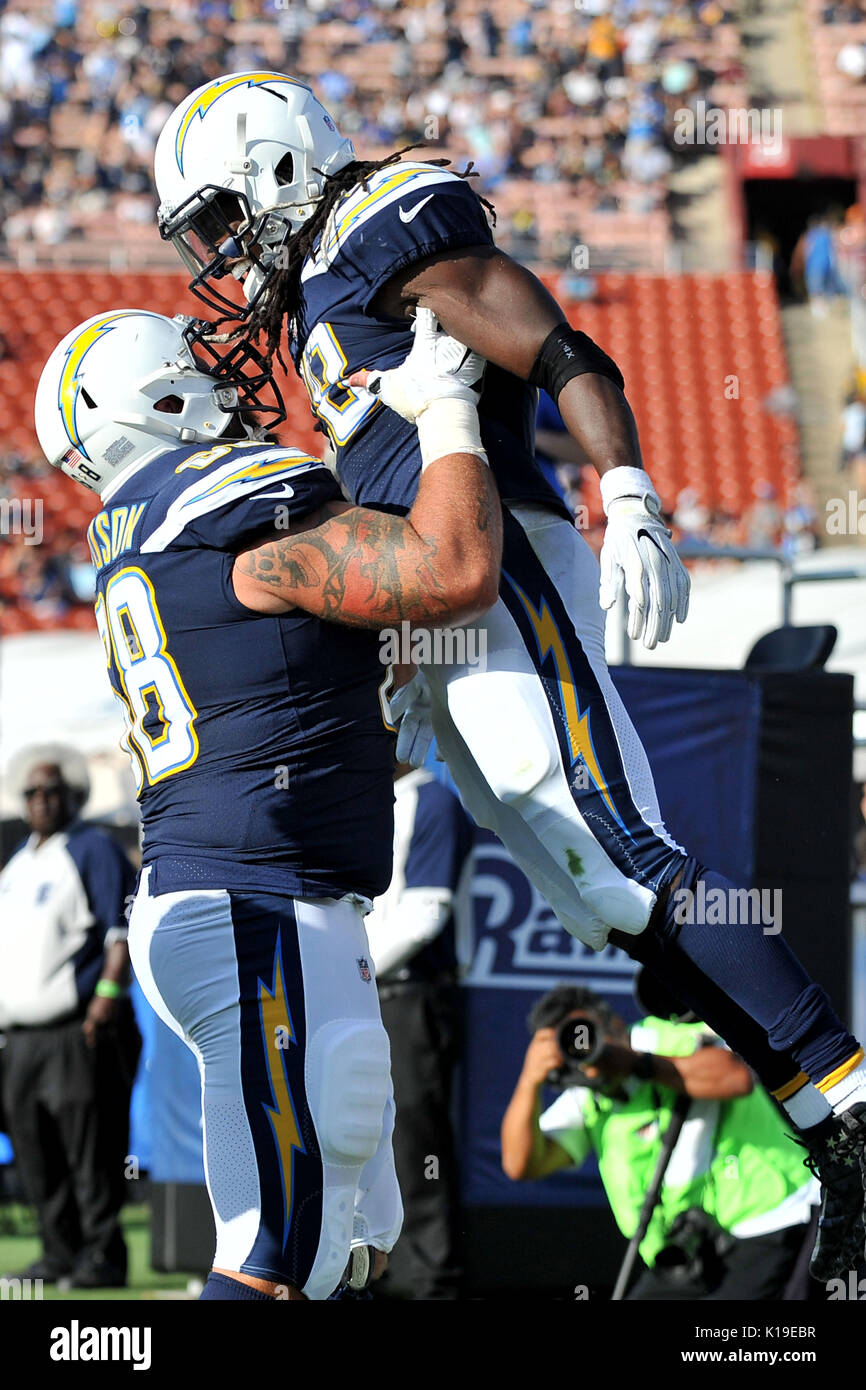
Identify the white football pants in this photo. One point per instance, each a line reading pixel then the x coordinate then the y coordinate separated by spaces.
pixel 277 999
pixel 539 744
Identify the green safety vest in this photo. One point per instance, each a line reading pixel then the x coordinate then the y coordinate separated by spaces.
pixel 739 1158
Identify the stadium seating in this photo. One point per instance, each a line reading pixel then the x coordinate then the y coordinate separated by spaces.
pixel 793 648
pixel 700 355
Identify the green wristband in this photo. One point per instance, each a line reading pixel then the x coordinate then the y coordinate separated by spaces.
pixel 109 989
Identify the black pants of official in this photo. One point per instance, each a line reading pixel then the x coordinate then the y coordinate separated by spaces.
pixel 67 1106
pixel 423 1025
pixel 755 1270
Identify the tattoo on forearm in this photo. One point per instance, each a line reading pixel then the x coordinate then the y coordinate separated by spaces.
pixel 363 565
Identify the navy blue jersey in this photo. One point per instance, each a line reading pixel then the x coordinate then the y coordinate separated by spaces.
pixel 259 745
pixel 407 213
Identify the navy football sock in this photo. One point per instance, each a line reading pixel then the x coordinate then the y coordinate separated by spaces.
pixel 754 968
pixel 222 1287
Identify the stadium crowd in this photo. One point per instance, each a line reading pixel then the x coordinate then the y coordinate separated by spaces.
pixel 87 84
pixel 838 46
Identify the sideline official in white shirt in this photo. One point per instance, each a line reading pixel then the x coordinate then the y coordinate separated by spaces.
pixel 71 1040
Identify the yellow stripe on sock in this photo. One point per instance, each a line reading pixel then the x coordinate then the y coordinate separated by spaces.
pixel 791 1088
pixel 841 1072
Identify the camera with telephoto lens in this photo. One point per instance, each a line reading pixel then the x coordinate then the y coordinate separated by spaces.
pixel 581 1039
pixel 582 1042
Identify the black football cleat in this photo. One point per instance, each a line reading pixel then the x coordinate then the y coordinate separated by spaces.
pixel 343 1292
pixel 94 1274
pixel 837 1157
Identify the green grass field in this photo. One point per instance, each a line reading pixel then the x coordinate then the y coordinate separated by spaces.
pixel 19 1247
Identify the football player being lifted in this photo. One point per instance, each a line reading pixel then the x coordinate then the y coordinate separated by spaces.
pixel 336 255
pixel 258 739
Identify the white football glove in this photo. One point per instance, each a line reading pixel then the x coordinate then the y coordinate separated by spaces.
pixel 437 389
pixel 411 704
pixel 637 550
pixel 437 368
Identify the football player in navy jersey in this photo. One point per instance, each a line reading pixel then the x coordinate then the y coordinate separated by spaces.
pixel 260 738
pixel 336 255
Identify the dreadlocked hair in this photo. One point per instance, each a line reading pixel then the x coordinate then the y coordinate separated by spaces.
pixel 283 297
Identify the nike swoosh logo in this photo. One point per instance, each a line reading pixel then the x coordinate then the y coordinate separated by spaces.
pixel 407 216
pixel 643 533
pixel 286 492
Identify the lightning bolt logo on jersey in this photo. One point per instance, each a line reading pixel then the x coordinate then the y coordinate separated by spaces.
pixel 260 754
pixel 407 213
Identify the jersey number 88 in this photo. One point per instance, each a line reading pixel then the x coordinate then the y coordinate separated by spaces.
pixel 160 717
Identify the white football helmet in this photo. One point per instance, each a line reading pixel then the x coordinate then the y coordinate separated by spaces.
pixel 240 165
pixel 124 387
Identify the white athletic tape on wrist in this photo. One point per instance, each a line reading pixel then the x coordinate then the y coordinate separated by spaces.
pixel 448 426
pixel 625 482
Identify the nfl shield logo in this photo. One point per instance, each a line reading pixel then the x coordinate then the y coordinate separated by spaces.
pixel 364 969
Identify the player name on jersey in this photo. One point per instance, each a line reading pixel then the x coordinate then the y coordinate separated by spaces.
pixel 111 532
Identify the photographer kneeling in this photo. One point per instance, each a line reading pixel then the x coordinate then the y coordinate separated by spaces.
pixel 733 1208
